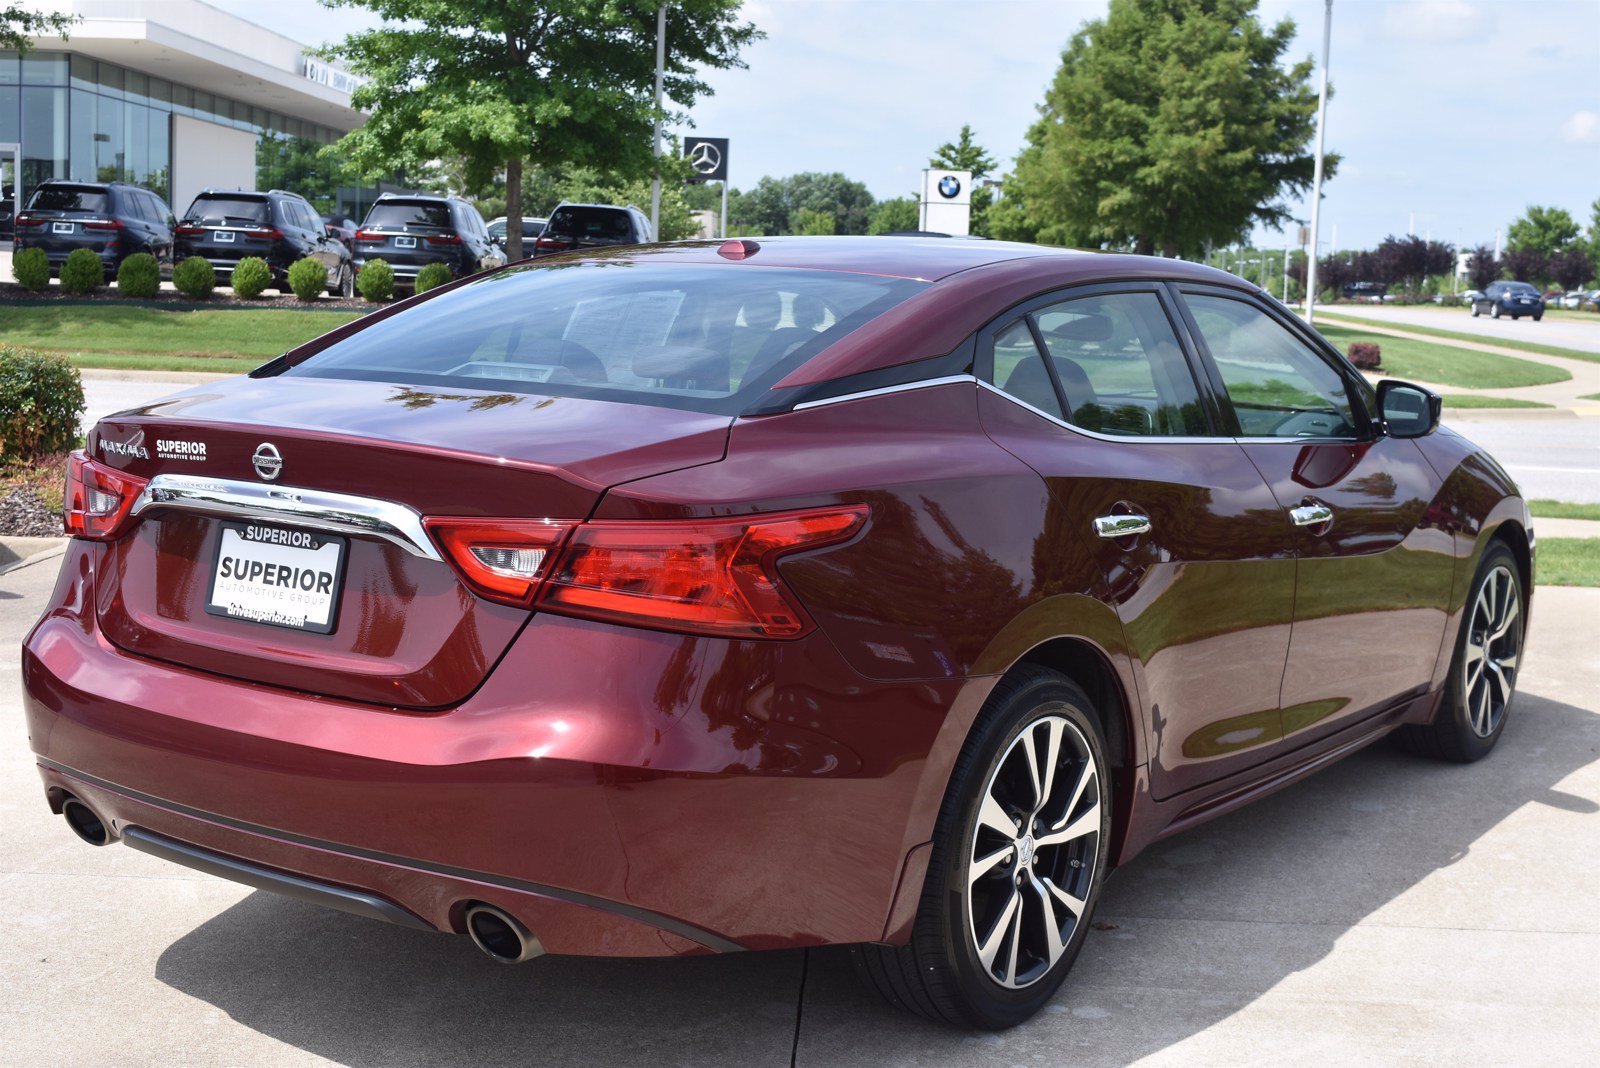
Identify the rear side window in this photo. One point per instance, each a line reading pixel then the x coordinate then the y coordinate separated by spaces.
pixel 608 223
pixel 68 198
pixel 249 211
pixel 701 337
pixel 395 214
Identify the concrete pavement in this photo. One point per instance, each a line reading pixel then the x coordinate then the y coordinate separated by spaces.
pixel 1571 333
pixel 1388 910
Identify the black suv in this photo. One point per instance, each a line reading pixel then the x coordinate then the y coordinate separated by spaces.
pixel 223 226
pixel 588 225
pixel 113 220
pixel 1365 291
pixel 408 231
pixel 1515 299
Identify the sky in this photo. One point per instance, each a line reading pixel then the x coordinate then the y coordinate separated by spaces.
pixel 1451 116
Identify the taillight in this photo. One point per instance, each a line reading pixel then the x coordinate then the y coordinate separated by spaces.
pixel 191 228
pixel 97 499
pixel 501 559
pixel 102 224
pixel 29 220
pixel 716 576
pixel 369 235
pixel 552 244
pixel 271 232
pixel 445 239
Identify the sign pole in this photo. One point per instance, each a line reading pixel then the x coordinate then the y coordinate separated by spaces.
pixel 723 232
pixel 1316 178
pixel 661 63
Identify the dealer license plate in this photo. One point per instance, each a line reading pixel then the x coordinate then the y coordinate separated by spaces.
pixel 224 236
pixel 405 242
pixel 277 575
pixel 62 228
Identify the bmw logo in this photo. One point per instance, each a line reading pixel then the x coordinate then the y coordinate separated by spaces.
pixel 949 187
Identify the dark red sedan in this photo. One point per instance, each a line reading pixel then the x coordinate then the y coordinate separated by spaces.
pixel 704 598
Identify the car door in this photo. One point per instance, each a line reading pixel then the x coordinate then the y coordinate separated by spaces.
pixel 1373 575
pixel 1181 526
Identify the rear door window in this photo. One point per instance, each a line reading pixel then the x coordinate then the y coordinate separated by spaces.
pixel 398 214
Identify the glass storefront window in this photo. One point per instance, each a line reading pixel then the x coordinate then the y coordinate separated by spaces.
pixel 112 80
pixel 83 142
pixel 9 69
pixel 83 76
pixel 44 68
pixel 44 135
pixel 109 148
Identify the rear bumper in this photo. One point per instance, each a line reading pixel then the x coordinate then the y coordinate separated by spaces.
pixel 621 792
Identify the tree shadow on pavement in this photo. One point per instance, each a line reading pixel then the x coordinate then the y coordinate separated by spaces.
pixel 1205 923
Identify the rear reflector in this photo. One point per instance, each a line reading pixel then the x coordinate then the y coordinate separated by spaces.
pixel 715 576
pixel 501 559
pixel 97 499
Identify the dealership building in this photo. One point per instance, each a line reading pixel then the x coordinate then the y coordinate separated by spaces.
pixel 174 95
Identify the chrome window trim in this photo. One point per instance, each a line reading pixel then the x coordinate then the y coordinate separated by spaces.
pixel 335 513
pixel 903 387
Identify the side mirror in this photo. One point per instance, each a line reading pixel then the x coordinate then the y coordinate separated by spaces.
pixel 1408 411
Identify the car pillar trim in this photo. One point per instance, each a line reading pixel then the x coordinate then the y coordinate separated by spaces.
pixel 885 390
pixel 336 513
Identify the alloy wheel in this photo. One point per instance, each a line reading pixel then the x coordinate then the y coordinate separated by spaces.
pixel 1033 852
pixel 1494 644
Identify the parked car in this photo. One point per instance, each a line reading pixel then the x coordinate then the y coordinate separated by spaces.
pixel 342 227
pixel 1372 292
pixel 112 219
pixel 224 226
pixel 410 231
pixel 532 227
pixel 1515 299
pixel 1471 295
pixel 8 204
pixel 714 597
pixel 1573 299
pixel 576 226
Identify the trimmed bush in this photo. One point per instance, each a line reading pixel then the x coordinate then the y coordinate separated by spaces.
pixel 32 269
pixel 308 278
pixel 83 272
pixel 376 281
pixel 433 276
pixel 1365 355
pixel 194 278
pixel 41 398
pixel 251 276
pixel 139 276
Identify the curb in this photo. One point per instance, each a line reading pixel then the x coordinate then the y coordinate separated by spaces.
pixel 17 552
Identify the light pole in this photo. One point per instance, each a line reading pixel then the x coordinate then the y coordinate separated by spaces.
pixel 661 71
pixel 1316 177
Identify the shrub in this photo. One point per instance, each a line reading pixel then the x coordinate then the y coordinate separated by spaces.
pixel 41 398
pixel 194 278
pixel 83 272
pixel 1365 355
pixel 308 278
pixel 139 276
pixel 32 269
pixel 376 281
pixel 251 275
pixel 433 276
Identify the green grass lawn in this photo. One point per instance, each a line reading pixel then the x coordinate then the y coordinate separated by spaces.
pixel 1447 365
pixel 1547 509
pixel 1591 396
pixel 1478 400
pixel 1568 562
pixel 161 339
pixel 1456 335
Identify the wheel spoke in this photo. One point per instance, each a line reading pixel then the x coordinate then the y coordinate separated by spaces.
pixel 1480 714
pixel 1052 757
pixel 1016 940
pixel 1076 905
pixel 1087 823
pixel 1033 768
pixel 994 817
pixel 990 944
pixel 1510 617
pixel 984 865
pixel 1498 679
pixel 1052 930
pixel 1474 663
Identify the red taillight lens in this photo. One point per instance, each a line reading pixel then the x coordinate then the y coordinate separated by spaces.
pixel 706 576
pixel 552 244
pixel 501 559
pixel 191 228
pixel 29 220
pixel 97 498
pixel 445 239
pixel 271 232
pixel 102 224
pixel 369 235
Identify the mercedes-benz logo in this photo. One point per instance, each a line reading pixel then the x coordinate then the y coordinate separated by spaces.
pixel 705 158
pixel 949 187
pixel 267 461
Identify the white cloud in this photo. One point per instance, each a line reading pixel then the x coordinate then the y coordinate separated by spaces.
pixel 1434 20
pixel 1583 128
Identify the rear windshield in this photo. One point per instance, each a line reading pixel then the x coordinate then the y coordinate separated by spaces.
pixel 1521 287
pixel 234 209
pixel 68 198
pixel 606 223
pixel 394 214
pixel 703 337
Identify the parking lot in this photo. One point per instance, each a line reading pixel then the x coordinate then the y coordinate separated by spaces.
pixel 1388 910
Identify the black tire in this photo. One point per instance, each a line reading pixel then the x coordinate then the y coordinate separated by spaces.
pixel 1536 318
pixel 1458 732
pixel 941 974
pixel 1474 311
pixel 1494 312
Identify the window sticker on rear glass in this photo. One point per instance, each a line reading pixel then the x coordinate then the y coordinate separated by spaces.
pixel 624 324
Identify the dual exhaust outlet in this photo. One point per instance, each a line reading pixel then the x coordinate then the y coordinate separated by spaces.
pixel 501 936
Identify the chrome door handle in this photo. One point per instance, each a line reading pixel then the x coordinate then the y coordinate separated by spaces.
pixel 1121 526
pixel 1311 515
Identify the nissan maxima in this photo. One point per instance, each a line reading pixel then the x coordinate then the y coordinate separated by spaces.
pixel 715 597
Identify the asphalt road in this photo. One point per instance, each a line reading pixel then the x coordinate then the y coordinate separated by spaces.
pixel 1582 334
pixel 1389 910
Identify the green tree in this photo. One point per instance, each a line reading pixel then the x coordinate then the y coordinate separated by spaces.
pixel 965 154
pixel 1542 230
pixel 301 165
pixel 18 23
pixel 1170 123
pixel 499 82
pixel 770 207
pixel 897 213
pixel 813 223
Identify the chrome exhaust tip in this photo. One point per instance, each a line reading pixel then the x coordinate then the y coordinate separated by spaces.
pixel 501 935
pixel 84 823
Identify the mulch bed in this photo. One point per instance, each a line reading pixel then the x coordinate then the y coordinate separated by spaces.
pixel 171 299
pixel 30 497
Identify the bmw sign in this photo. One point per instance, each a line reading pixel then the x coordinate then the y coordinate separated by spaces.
pixel 949 187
